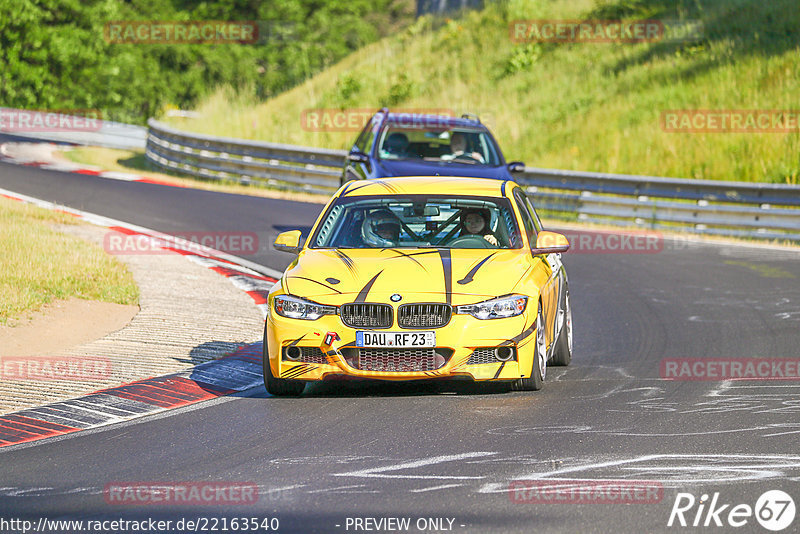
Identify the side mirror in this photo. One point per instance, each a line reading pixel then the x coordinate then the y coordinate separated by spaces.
pixel 516 166
pixel 357 157
pixel 288 242
pixel 550 242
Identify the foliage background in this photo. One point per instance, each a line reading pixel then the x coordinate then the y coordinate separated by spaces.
pixel 578 106
pixel 53 54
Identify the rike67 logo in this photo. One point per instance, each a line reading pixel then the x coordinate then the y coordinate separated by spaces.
pixel 774 510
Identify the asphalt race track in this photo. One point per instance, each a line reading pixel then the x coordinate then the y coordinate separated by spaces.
pixel 428 451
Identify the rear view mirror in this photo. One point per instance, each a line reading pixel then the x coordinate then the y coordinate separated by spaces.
pixel 288 242
pixel 421 211
pixel 516 166
pixel 550 242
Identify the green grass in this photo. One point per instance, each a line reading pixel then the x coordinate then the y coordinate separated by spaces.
pixel 593 107
pixel 40 264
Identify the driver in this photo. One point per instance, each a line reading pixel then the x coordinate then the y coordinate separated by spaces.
pixel 476 222
pixel 380 229
pixel 458 146
pixel 396 145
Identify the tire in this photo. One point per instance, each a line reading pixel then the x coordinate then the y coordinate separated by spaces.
pixel 278 387
pixel 563 352
pixel 539 368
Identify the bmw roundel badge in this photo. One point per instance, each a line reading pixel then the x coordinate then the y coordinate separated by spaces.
pixel 396 298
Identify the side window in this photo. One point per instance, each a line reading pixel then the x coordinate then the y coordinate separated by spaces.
pixel 536 221
pixel 491 149
pixel 372 137
pixel 527 220
pixel 361 142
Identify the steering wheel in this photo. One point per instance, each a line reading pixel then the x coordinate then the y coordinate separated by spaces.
pixel 470 156
pixel 470 241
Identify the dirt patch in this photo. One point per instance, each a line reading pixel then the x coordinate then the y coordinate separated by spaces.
pixel 64 324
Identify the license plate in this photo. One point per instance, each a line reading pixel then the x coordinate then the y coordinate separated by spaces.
pixel 401 340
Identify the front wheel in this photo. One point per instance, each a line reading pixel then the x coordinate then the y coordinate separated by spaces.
pixel 278 387
pixel 539 368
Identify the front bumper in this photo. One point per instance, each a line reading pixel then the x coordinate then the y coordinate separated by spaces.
pixel 458 340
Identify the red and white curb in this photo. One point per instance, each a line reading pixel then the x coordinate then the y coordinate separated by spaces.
pixel 79 169
pixel 237 372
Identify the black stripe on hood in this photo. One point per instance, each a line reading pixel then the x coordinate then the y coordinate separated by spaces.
pixel 447 267
pixel 470 275
pixel 362 295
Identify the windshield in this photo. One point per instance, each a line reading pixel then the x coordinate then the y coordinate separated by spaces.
pixel 412 222
pixel 439 144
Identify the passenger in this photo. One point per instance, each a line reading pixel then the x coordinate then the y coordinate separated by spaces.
pixel 476 222
pixel 380 229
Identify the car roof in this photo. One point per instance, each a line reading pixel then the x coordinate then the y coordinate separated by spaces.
pixel 429 185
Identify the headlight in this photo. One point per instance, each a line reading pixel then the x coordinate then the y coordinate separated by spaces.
pixel 498 308
pixel 297 308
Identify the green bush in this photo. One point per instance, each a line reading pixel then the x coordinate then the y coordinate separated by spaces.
pixel 54 54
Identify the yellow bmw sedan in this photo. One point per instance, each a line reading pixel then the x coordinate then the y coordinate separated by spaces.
pixel 420 278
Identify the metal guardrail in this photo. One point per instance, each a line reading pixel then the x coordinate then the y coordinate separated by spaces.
pixel 768 211
pixel 294 168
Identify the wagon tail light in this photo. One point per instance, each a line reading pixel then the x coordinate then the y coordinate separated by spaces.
pixel 297 308
pixel 498 308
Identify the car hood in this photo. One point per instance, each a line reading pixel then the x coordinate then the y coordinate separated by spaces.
pixel 431 168
pixel 457 276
